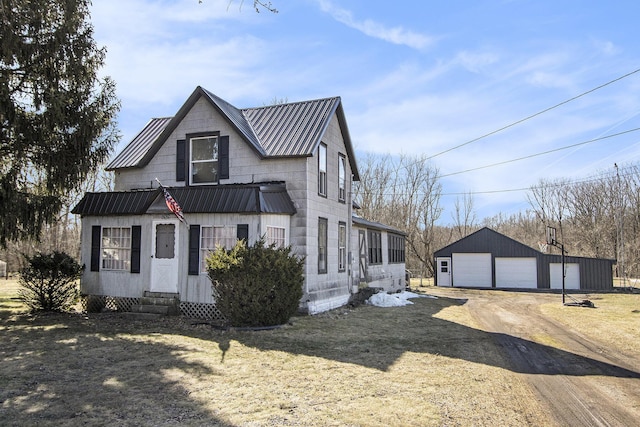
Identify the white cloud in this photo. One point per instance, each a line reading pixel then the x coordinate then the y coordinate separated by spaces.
pixel 396 35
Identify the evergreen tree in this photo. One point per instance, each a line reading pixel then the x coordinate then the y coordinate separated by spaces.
pixel 56 115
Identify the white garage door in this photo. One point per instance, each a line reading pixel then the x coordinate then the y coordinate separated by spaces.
pixel 571 280
pixel 471 270
pixel 516 273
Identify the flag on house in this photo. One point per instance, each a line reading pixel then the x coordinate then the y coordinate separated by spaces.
pixel 172 204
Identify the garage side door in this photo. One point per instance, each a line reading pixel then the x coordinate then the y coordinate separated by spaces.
pixel 471 270
pixel 572 279
pixel 516 273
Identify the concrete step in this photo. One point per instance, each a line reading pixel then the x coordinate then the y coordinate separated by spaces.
pixel 161 294
pixel 152 309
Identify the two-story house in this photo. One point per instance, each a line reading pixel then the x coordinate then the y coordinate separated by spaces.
pixel 282 172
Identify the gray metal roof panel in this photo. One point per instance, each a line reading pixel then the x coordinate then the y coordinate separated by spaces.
pixel 286 130
pixel 249 198
pixel 293 129
pixel 375 225
pixel 115 203
pixel 131 155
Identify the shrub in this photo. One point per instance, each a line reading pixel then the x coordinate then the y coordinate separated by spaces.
pixel 256 285
pixel 48 282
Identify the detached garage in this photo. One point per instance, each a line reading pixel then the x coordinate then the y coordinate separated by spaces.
pixel 488 259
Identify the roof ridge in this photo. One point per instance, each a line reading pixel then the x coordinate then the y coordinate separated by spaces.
pixel 307 101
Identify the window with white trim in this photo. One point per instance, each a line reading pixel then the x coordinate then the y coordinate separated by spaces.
pixel 322 245
pixel 275 236
pixel 342 178
pixel 203 164
pixel 116 248
pixel 342 246
pixel 213 236
pixel 374 238
pixel 322 170
pixel 396 245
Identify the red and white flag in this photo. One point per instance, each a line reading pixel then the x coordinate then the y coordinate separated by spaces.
pixel 172 204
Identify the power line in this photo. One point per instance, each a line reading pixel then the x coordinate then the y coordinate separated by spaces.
pixel 541 153
pixel 533 115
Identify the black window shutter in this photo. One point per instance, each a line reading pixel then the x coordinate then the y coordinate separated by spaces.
pixel 194 250
pixel 223 157
pixel 136 241
pixel 181 151
pixel 95 247
pixel 243 232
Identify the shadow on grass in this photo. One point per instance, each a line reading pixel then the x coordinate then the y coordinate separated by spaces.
pixel 108 369
pixel 61 369
pixel 377 337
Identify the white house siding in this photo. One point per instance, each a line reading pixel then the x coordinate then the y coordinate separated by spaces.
pixel 324 291
pixel 321 291
pixel 197 288
pixel 388 276
pixel 116 283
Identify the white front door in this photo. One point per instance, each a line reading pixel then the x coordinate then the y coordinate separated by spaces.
pixel 444 271
pixel 164 259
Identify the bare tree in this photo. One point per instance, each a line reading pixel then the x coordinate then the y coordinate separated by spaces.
pixel 403 192
pixel 464 218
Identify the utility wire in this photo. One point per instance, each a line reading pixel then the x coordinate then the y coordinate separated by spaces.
pixel 534 115
pixel 541 153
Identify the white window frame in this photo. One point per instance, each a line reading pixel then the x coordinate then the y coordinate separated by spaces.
pixel 214 159
pixel 342 178
pixel 218 235
pixel 115 241
pixel 342 246
pixel 276 235
pixel 323 232
pixel 322 170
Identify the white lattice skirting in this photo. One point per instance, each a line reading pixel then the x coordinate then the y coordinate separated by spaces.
pixel 99 303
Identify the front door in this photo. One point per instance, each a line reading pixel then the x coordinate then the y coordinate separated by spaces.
pixel 444 271
pixel 164 259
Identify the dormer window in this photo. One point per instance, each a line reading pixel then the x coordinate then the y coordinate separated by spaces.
pixel 203 165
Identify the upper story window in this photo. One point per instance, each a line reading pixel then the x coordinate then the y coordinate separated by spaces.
pixel 203 164
pixel 322 170
pixel 342 178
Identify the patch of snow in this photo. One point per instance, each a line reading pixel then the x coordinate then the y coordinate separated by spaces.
pixel 383 299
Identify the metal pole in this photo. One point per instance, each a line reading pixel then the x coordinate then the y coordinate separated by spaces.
pixel 563 271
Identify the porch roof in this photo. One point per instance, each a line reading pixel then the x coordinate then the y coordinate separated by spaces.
pixel 235 198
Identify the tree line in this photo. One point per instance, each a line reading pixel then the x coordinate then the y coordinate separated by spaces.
pixel 598 217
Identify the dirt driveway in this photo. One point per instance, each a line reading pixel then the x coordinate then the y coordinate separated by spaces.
pixel 582 382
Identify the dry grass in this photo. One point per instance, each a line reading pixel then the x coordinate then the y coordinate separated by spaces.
pixel 615 321
pixel 425 364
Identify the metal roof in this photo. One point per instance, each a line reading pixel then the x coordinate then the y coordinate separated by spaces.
pixel 115 203
pixel 293 129
pixel 285 130
pixel 131 155
pixel 359 221
pixel 237 198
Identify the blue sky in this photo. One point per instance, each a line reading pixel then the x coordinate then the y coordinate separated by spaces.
pixel 415 78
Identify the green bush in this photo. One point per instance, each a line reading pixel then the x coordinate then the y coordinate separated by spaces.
pixel 49 282
pixel 256 285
